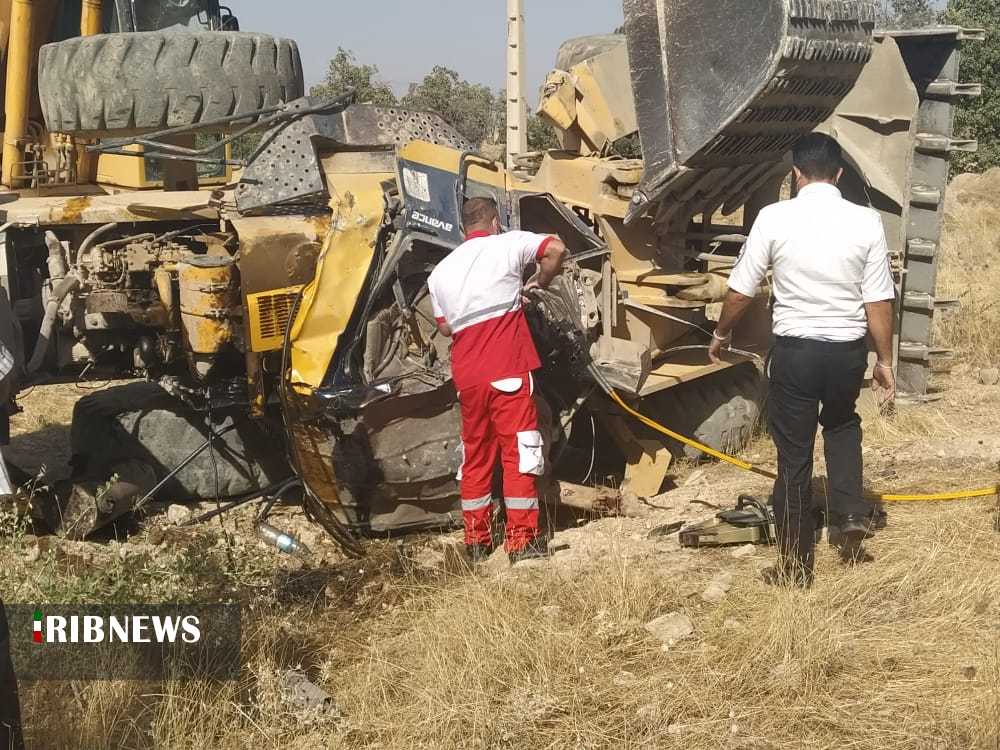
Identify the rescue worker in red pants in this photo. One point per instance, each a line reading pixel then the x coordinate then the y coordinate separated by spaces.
pixel 477 295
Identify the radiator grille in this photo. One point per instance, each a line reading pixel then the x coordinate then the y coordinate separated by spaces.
pixel 269 312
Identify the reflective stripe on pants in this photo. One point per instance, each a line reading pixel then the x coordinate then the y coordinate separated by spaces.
pixel 491 421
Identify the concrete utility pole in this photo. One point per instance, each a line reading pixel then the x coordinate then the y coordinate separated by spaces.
pixel 517 112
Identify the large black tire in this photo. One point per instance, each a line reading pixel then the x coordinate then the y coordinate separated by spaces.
pixel 142 422
pixel 721 410
pixel 159 79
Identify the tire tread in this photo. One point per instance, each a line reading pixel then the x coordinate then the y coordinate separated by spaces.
pixel 155 79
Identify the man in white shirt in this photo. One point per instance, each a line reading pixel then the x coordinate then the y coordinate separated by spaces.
pixel 833 291
pixel 476 292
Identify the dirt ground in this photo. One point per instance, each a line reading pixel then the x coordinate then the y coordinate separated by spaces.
pixel 622 640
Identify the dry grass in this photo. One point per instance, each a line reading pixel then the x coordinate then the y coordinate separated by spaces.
pixel 903 423
pixel 970 268
pixel 899 654
pixel 903 653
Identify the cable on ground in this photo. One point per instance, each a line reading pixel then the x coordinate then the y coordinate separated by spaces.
pixel 747 466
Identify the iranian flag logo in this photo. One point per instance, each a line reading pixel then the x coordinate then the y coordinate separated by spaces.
pixel 38 626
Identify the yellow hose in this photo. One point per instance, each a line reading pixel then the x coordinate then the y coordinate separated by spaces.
pixel 746 466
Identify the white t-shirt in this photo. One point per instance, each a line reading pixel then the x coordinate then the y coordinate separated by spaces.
pixel 476 289
pixel 829 258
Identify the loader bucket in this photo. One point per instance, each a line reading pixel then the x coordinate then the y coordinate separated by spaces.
pixel 732 83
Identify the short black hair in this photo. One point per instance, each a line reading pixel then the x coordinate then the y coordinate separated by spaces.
pixel 477 212
pixel 818 156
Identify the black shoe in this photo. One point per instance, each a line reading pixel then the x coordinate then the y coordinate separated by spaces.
pixel 854 529
pixel 536 549
pixel 478 553
pixel 859 527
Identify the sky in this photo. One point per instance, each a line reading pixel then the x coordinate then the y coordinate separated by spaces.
pixel 405 39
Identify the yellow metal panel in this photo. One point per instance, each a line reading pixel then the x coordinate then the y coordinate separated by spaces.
pixel 17 97
pixel 588 182
pixel 97 208
pixel 606 109
pixel 207 297
pixel 122 171
pixel 330 298
pixel 447 159
pixel 268 314
pixel 90 18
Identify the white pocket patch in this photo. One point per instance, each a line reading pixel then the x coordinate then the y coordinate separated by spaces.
pixel 508 385
pixel 531 457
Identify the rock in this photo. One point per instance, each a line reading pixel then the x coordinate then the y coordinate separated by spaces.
pixel 428 558
pixel 445 553
pixel 989 376
pixel 309 702
pixel 670 628
pixel 498 563
pixel 716 591
pixel 746 550
pixel 178 515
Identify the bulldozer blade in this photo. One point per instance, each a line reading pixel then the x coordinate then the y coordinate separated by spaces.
pixel 734 83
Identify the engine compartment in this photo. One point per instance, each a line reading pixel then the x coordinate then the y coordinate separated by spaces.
pixel 160 301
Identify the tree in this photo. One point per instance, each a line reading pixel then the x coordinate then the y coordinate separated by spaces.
pixel 470 108
pixel 541 135
pixel 906 14
pixel 979 117
pixel 346 73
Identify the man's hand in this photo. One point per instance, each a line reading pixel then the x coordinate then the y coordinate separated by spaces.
pixel 733 309
pixel 884 384
pixel 529 286
pixel 880 323
pixel 715 350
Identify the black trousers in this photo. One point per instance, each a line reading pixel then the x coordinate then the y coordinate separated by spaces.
pixel 815 383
